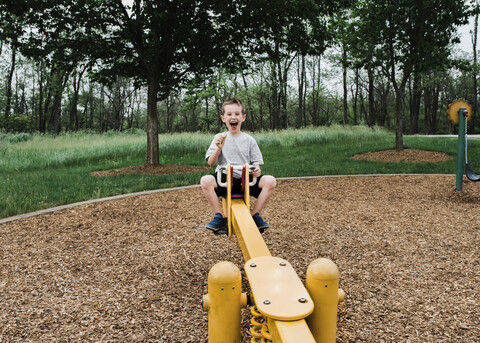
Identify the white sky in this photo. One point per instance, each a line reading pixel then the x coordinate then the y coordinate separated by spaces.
pixel 466 38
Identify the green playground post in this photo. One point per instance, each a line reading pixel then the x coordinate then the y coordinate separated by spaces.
pixel 462 119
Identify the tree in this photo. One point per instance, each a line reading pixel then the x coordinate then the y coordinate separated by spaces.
pixel 77 79
pixel 161 44
pixel 164 44
pixel 290 28
pixel 407 37
pixel 301 120
pixel 45 31
pixel 474 35
pixel 8 106
pixel 10 26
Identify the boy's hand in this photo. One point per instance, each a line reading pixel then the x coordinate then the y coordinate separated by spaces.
pixel 256 172
pixel 220 141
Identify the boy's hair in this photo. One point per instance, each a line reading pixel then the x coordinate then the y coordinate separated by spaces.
pixel 233 101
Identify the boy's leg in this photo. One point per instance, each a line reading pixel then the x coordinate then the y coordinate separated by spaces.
pixel 267 185
pixel 208 184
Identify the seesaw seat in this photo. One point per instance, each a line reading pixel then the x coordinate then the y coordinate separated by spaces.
pixel 278 291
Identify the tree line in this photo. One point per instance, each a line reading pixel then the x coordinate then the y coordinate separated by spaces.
pixel 167 66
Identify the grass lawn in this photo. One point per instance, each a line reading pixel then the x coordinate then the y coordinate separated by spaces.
pixel 43 171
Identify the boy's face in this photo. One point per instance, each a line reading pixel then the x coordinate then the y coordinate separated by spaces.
pixel 233 117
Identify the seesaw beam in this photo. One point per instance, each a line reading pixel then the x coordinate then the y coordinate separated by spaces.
pixel 294 331
pixel 249 238
pixel 273 283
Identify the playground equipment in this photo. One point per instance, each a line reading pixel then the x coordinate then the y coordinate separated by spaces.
pixel 282 309
pixel 459 112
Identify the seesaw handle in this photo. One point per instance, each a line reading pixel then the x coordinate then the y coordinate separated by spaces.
pixel 234 167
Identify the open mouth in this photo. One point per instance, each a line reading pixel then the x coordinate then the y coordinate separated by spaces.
pixel 233 124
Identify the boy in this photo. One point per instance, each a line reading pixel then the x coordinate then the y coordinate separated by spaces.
pixel 237 148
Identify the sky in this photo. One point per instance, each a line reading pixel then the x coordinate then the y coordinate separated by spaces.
pixel 466 38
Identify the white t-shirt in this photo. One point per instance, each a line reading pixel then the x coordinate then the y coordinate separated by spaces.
pixel 236 151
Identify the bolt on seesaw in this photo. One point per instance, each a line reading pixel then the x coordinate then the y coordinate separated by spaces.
pixel 283 309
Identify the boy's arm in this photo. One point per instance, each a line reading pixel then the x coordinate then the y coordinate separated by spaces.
pixel 256 158
pixel 220 142
pixel 257 171
pixel 212 159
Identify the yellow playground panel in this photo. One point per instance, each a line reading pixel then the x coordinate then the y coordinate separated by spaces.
pixel 283 309
pixel 453 108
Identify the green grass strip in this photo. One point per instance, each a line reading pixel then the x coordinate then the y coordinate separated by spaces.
pixel 41 171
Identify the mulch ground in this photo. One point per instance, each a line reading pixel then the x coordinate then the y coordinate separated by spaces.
pixel 135 269
pixel 406 155
pixel 162 169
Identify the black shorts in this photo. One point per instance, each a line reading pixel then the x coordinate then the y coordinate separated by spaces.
pixel 237 186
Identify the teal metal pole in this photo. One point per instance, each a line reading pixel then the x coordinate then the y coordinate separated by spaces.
pixel 462 119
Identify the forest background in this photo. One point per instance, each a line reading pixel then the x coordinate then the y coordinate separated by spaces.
pixel 167 66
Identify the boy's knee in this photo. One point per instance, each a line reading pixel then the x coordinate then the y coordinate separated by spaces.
pixel 207 181
pixel 274 182
pixel 269 182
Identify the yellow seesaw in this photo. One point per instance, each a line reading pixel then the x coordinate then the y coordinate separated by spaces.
pixel 283 310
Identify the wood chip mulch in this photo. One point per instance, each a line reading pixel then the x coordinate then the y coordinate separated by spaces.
pixel 406 155
pixel 161 169
pixel 135 269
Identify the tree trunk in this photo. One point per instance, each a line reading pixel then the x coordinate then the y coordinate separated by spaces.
pixel 345 92
pixel 206 107
pixel 435 100
pixel 261 100
pixel 92 106
pixel 8 106
pixel 50 90
pixel 399 95
pixel 152 123
pixel 383 95
pixel 170 101
pixel 251 112
pixel 427 104
pixel 275 108
pixel 73 110
pixel 355 97
pixel 371 98
pixel 415 104
pixel 316 80
pixel 60 82
pixel 194 121
pixel 301 85
pixel 101 116
pixel 475 73
pixel 218 107
pixel 284 91
pixel 41 121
